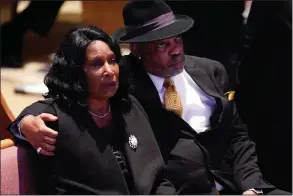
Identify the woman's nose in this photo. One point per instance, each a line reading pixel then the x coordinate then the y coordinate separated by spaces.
pixel 108 70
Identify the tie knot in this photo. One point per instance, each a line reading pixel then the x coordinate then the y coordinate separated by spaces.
pixel 168 82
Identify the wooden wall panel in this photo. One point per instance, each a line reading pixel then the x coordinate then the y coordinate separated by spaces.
pixel 106 14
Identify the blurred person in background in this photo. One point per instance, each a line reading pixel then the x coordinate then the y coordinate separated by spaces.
pixel 217 33
pixel 38 17
pixel 264 96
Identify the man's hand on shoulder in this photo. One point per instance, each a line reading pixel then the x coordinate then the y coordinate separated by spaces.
pixel 38 134
pixel 253 192
pixel 249 193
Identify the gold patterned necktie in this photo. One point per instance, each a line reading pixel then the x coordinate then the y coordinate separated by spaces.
pixel 172 100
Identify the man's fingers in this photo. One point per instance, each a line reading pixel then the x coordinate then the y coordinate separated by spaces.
pixel 49 140
pixel 42 151
pixel 47 147
pixel 49 132
pixel 47 153
pixel 48 117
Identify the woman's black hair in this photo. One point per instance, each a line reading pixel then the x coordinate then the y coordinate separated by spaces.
pixel 66 80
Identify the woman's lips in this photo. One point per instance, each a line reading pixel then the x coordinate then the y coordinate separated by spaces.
pixel 109 84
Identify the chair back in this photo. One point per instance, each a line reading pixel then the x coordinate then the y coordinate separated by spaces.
pixel 17 171
pixel 6 117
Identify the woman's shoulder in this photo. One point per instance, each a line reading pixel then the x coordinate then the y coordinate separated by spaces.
pixel 40 106
pixel 47 105
pixel 47 101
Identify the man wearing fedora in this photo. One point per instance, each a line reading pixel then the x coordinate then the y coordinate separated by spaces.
pixel 189 104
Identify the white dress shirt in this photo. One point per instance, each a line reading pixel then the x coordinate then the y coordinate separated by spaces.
pixel 197 105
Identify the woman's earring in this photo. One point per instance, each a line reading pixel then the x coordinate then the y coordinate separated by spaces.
pixel 139 57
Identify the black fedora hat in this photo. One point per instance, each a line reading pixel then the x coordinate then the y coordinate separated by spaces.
pixel 150 20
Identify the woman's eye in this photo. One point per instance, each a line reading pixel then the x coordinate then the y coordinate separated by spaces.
pixel 97 64
pixel 113 61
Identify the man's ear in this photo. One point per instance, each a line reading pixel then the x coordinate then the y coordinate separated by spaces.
pixel 136 50
pixel 133 48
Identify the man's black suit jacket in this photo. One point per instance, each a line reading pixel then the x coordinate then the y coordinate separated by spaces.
pixel 231 154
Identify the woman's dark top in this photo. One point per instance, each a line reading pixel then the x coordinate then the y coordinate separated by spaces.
pixel 116 140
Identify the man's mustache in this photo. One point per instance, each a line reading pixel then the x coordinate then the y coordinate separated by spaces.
pixel 177 59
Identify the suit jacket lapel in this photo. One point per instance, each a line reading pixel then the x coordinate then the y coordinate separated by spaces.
pixel 205 83
pixel 201 78
pixel 145 161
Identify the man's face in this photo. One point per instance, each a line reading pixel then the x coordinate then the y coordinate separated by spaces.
pixel 164 58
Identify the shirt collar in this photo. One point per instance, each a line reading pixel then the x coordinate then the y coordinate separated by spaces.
pixel 157 81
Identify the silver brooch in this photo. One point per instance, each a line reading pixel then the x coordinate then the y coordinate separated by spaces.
pixel 132 142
